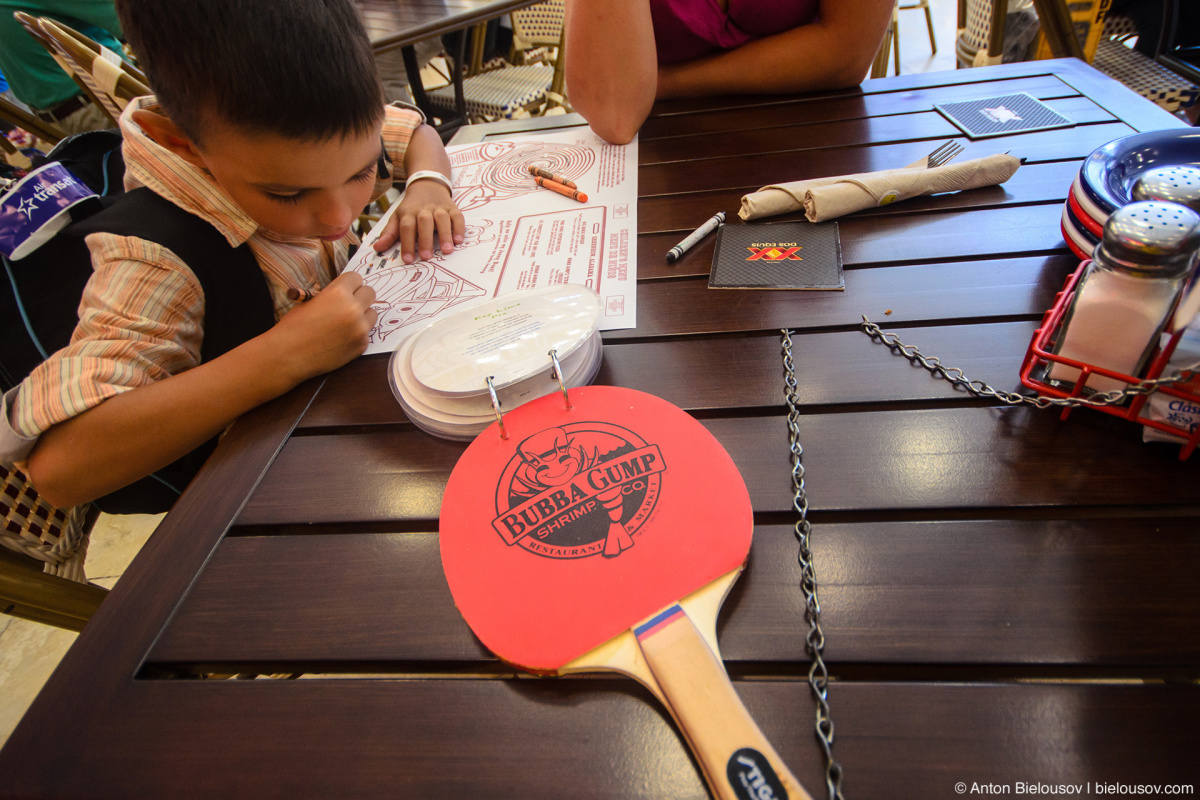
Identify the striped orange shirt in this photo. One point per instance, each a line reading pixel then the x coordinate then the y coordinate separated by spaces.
pixel 141 315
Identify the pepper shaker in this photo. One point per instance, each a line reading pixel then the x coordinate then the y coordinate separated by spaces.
pixel 1126 294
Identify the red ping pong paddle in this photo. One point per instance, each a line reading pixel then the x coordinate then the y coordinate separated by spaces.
pixel 605 537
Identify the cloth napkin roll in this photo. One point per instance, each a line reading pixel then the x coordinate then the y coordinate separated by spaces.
pixel 828 198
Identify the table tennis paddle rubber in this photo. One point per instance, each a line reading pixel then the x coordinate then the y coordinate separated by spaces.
pixel 604 537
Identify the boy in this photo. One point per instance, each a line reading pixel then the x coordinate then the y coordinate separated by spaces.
pixel 268 122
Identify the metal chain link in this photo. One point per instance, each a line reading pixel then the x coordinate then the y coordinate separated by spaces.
pixel 818 673
pixel 981 389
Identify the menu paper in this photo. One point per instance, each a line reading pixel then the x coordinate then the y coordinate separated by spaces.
pixel 518 235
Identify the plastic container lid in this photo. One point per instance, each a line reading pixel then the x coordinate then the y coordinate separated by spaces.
pixel 507 339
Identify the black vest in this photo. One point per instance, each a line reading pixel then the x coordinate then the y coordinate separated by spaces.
pixel 50 282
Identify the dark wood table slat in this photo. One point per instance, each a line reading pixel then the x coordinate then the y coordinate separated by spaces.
pixel 984 592
pixel 917 293
pixel 918 459
pixel 764 139
pixel 693 374
pixel 705 165
pixel 164 567
pixel 1108 92
pixel 850 106
pixel 947 80
pixel 1032 183
pixel 449 739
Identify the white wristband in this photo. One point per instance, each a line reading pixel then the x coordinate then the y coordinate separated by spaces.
pixel 429 173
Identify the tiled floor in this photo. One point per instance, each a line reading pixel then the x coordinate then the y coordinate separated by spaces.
pixel 30 651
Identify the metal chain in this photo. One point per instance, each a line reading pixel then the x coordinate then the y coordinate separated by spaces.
pixel 981 389
pixel 818 673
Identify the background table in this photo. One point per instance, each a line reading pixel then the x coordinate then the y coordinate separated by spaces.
pixel 1007 597
pixel 403 23
pixel 397 23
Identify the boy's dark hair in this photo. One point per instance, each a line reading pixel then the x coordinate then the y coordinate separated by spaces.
pixel 302 68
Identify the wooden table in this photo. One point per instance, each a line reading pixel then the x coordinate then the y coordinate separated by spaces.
pixel 1008 599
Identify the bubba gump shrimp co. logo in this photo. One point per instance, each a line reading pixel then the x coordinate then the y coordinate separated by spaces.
pixel 581 490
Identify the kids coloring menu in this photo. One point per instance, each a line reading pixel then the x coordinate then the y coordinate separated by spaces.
pixel 518 235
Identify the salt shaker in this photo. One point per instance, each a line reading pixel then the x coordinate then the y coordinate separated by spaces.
pixel 1175 184
pixel 1126 294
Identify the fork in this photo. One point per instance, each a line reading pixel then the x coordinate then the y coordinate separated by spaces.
pixel 943 155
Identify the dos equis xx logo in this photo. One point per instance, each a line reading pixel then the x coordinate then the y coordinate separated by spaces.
pixel 581 490
pixel 774 251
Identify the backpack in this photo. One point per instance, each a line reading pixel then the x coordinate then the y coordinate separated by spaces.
pixel 41 290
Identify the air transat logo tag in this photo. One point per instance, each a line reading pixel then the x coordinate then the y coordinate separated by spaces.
pixel 773 253
pixel 581 490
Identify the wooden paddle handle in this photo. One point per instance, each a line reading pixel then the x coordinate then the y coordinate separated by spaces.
pixel 738 761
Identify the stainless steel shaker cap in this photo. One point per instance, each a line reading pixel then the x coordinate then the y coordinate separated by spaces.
pixel 1175 184
pixel 1152 239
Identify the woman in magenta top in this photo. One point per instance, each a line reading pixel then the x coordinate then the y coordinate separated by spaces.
pixel 622 55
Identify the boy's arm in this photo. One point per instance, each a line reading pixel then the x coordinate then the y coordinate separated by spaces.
pixel 139 431
pixel 427 206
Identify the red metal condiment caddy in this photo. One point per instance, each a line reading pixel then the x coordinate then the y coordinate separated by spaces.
pixel 1039 358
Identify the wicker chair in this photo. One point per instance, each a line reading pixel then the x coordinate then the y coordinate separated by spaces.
pixel 507 91
pixel 1139 72
pixel 15 115
pixel 30 23
pixel 977 45
pixel 982 30
pixel 33 535
pixel 537 30
pixel 109 80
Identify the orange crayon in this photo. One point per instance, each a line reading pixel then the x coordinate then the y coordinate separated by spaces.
pixel 563 190
pixel 542 172
pixel 301 295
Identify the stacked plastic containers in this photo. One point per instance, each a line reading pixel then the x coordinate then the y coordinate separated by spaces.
pixel 456 375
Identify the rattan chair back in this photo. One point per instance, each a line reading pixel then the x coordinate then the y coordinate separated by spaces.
pixel 110 80
pixel 15 115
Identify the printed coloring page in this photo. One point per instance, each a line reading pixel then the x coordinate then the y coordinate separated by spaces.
pixel 518 235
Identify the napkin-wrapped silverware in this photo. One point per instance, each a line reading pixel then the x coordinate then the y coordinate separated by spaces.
pixel 828 198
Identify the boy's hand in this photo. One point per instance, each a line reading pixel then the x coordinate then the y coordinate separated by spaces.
pixel 324 333
pixel 427 207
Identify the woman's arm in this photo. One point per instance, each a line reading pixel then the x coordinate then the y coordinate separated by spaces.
pixel 832 53
pixel 612 65
pixel 613 75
